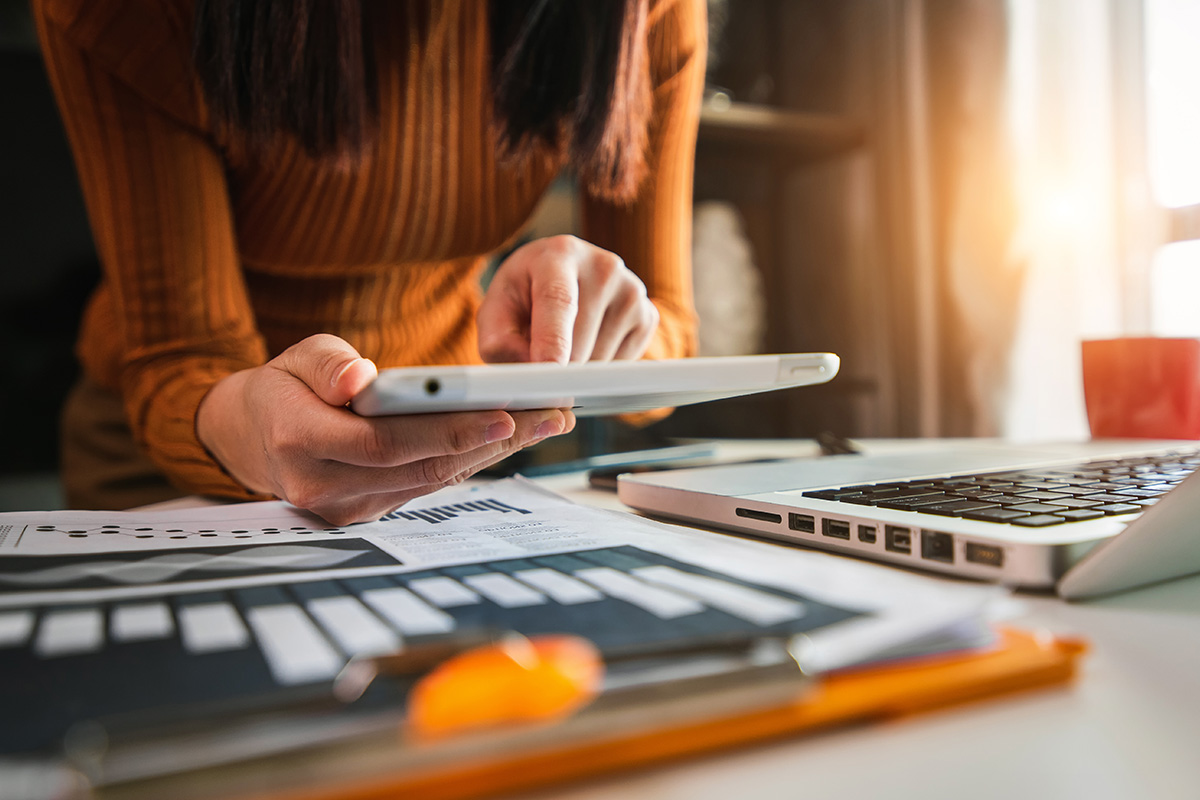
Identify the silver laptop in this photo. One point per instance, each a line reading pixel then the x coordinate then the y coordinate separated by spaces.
pixel 1083 519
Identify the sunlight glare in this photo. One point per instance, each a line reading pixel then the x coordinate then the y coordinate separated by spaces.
pixel 1065 208
pixel 1172 104
pixel 1175 286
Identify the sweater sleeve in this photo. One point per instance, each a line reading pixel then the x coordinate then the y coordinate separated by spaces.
pixel 155 188
pixel 654 234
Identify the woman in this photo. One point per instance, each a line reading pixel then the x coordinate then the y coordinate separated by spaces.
pixel 285 195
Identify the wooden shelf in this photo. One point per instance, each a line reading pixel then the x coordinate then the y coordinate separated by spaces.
pixel 779 132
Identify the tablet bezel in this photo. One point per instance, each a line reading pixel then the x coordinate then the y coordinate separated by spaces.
pixel 594 388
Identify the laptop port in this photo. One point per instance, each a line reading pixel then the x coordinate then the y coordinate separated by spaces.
pixel 866 534
pixel 937 546
pixel 988 554
pixel 802 522
pixel 898 539
pixel 837 528
pixel 761 516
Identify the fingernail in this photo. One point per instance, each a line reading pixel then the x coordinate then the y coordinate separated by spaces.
pixel 337 378
pixel 497 431
pixel 547 429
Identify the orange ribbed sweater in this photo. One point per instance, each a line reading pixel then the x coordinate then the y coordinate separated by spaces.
pixel 213 262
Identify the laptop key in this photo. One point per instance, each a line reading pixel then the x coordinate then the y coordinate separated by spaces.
pixel 868 499
pixel 1044 495
pixel 1146 491
pixel 1176 474
pixel 915 503
pixel 1008 500
pixel 1044 485
pixel 832 494
pixel 1037 508
pixel 1080 514
pixel 957 508
pixel 975 492
pixel 987 497
pixel 1077 491
pixel 1113 509
pixel 1076 502
pixel 1074 479
pixel 914 494
pixel 1000 514
pixel 1039 520
pixel 1107 497
pixel 954 483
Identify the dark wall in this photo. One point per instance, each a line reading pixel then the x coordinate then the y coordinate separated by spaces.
pixel 47 261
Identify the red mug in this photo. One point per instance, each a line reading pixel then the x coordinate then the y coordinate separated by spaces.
pixel 1142 388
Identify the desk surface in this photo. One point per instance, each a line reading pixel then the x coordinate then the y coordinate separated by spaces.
pixel 1127 729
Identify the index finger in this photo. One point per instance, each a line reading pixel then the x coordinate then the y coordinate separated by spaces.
pixel 554 297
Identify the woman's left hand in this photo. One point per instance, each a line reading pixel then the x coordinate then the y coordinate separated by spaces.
pixel 562 299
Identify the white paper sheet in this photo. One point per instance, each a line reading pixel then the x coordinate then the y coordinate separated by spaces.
pixel 252 544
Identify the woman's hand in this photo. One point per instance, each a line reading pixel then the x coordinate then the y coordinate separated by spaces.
pixel 562 299
pixel 283 429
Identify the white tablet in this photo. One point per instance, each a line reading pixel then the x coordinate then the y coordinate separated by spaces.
pixel 594 388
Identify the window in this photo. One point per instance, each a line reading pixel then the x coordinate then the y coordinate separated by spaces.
pixel 1172 67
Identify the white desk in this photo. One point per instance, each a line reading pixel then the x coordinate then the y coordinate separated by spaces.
pixel 1128 728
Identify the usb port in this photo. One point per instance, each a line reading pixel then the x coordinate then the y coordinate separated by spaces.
pixel 937 546
pixel 866 534
pixel 761 516
pixel 837 528
pixel 898 539
pixel 988 554
pixel 802 522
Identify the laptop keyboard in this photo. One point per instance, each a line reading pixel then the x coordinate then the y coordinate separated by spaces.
pixel 1034 498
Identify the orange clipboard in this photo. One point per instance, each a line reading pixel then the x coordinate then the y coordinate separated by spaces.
pixel 1019 661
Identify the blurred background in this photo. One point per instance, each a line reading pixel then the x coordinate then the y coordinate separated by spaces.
pixel 951 194
pixel 48 267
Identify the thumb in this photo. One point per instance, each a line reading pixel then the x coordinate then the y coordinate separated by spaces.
pixel 329 366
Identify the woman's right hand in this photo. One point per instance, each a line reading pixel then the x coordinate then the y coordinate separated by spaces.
pixel 283 429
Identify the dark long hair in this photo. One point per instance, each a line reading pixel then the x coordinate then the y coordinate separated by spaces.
pixel 570 74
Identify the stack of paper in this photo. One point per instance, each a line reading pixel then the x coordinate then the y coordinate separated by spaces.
pixel 156 623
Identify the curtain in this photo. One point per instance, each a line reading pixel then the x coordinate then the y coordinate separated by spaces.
pixel 1035 170
pixel 1073 130
pixel 975 211
pixel 947 214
